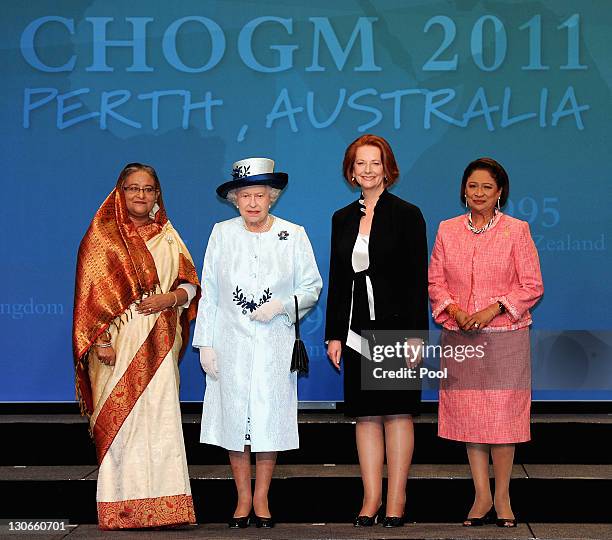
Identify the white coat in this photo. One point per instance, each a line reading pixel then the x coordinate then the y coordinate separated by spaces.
pixel 243 270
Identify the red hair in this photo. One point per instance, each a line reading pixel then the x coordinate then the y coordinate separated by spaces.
pixel 388 159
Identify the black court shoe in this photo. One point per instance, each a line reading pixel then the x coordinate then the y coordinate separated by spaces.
pixel 393 521
pixel 488 519
pixel 264 522
pixel 239 522
pixel 367 521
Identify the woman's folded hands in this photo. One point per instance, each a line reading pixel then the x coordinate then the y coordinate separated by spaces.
pixel 266 312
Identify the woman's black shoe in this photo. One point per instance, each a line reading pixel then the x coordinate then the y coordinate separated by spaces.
pixel 239 522
pixel 367 521
pixel 264 522
pixel 508 523
pixel 488 519
pixel 393 521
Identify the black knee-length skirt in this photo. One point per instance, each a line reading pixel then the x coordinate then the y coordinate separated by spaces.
pixel 361 402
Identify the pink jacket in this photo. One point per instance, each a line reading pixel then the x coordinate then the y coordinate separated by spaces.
pixel 476 270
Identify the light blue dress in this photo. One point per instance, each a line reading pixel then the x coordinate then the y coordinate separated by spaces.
pixel 255 388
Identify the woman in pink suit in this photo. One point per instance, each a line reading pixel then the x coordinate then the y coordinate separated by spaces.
pixel 484 277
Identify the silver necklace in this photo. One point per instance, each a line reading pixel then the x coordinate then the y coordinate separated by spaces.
pixel 485 227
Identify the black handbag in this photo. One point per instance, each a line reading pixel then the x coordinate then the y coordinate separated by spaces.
pixel 299 358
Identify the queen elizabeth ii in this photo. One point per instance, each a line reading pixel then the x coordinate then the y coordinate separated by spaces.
pixel 253 266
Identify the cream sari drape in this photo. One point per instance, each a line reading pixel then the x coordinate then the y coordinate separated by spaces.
pixel 143 479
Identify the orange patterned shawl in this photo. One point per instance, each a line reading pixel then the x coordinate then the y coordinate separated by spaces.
pixel 114 269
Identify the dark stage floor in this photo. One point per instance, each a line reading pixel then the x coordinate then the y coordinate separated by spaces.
pixel 335 531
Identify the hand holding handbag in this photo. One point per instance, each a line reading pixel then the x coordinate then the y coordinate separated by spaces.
pixel 299 358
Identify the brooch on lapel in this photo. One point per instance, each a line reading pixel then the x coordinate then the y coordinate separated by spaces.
pixel 283 235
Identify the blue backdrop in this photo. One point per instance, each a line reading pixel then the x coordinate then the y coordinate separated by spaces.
pixel 193 86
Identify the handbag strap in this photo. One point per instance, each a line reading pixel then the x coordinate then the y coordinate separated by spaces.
pixel 297 318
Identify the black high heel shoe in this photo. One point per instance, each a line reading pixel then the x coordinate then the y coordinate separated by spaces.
pixel 368 521
pixel 264 522
pixel 393 521
pixel 488 519
pixel 507 523
pixel 239 522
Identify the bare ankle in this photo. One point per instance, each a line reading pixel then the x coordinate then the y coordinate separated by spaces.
pixel 482 503
pixel 369 507
pixel 243 506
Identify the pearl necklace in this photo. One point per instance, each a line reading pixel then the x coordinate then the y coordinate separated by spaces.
pixel 267 226
pixel 485 227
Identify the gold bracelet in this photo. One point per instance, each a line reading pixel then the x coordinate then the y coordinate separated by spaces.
pixel 175 299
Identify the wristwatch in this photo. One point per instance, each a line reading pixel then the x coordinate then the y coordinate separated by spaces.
pixel 502 308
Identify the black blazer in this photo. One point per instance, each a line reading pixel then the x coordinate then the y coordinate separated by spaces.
pixel 398 266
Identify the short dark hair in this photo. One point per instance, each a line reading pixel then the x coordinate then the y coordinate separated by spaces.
pixel 388 159
pixel 497 172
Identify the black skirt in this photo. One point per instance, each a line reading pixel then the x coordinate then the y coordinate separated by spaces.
pixel 360 402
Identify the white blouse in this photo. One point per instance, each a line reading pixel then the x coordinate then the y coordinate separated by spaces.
pixel 361 261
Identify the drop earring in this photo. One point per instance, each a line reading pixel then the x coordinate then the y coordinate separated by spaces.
pixel 498 205
pixel 466 204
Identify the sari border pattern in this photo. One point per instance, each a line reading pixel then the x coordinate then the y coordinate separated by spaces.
pixel 134 381
pixel 142 513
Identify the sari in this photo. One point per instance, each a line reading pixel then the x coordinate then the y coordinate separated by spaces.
pixel 133 406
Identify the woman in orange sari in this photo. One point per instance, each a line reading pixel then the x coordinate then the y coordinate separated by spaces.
pixel 136 291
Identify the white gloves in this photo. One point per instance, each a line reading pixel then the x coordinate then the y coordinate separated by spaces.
pixel 208 361
pixel 267 311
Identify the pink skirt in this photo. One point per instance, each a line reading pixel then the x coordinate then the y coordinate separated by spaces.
pixel 486 398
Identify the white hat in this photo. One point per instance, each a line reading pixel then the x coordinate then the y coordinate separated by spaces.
pixel 253 172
